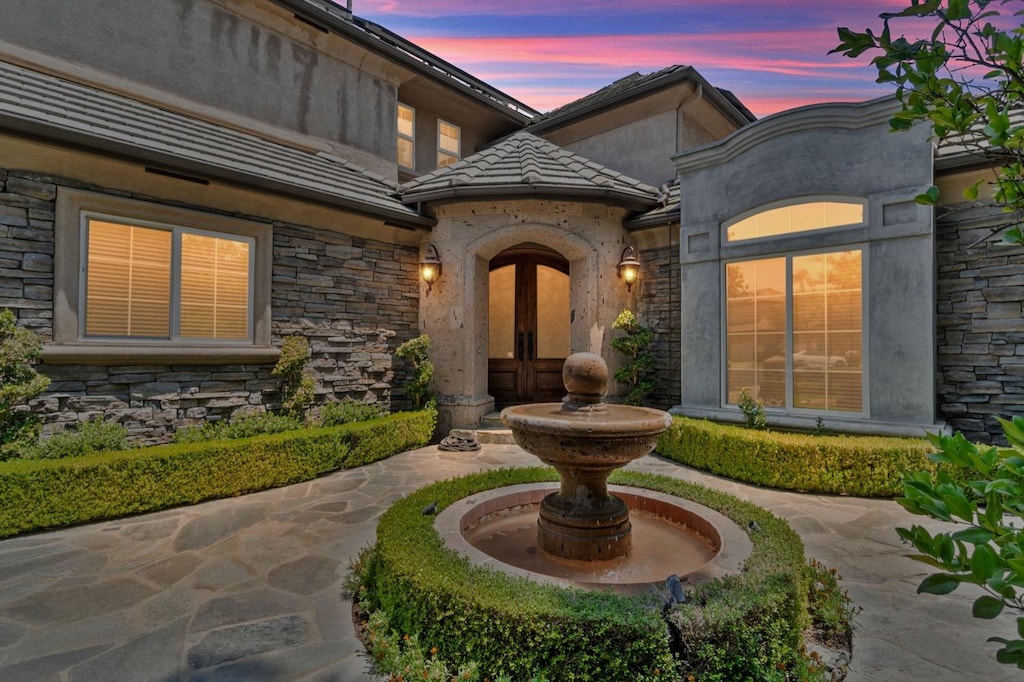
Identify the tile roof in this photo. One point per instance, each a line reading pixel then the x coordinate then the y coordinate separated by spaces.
pixel 635 85
pixel 523 164
pixel 53 108
pixel 665 213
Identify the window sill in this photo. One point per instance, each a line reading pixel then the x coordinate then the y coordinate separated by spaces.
pixel 132 354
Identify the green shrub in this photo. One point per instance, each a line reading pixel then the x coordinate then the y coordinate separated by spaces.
pixel 512 626
pixel 415 351
pixel 92 436
pixel 753 411
pixel 866 466
pixel 635 346
pixel 19 382
pixel 240 426
pixel 297 387
pixel 37 494
pixel 348 411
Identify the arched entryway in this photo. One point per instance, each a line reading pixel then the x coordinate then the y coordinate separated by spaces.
pixel 529 316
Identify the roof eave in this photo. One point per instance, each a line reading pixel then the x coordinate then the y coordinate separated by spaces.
pixel 170 161
pixel 568 192
pixel 667 80
pixel 643 222
pixel 373 38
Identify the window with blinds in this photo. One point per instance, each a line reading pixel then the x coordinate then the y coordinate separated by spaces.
pixel 406 136
pixel 152 282
pixel 448 143
pixel 794 331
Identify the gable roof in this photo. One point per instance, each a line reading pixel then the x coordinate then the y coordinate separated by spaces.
pixel 523 164
pixel 53 108
pixel 637 85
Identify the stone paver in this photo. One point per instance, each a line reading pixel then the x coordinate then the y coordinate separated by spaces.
pixel 250 588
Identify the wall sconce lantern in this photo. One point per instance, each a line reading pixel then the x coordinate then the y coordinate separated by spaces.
pixel 430 267
pixel 629 267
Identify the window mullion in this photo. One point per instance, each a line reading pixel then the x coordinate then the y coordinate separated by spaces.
pixel 789 332
pixel 175 330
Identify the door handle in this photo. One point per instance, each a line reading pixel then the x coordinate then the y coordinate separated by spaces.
pixel 529 346
pixel 520 346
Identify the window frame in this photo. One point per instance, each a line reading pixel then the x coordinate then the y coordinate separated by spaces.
pixel 457 153
pixel 410 138
pixel 796 201
pixel 174 311
pixel 789 255
pixel 71 345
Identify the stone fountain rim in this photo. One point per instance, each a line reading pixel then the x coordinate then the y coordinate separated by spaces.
pixel 734 549
pixel 644 422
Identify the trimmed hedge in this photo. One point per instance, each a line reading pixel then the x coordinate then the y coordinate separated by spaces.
pixel 864 466
pixel 38 494
pixel 512 626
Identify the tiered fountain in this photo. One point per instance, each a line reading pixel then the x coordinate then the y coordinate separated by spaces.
pixel 585 440
pixel 581 533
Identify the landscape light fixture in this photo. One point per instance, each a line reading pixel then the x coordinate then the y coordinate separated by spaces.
pixel 629 267
pixel 430 267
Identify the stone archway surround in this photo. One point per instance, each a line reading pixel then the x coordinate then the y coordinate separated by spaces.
pixel 454 313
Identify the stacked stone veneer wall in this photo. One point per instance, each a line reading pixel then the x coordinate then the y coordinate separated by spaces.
pixel 354 299
pixel 980 323
pixel 658 308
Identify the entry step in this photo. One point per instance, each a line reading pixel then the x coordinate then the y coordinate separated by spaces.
pixel 490 431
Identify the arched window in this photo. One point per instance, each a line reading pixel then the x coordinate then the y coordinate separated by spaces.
pixel 816 214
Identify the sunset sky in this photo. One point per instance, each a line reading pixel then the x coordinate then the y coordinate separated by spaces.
pixel 771 53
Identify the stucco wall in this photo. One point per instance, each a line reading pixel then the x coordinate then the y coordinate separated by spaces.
pixel 454 314
pixel 980 322
pixel 838 150
pixel 249 59
pixel 355 299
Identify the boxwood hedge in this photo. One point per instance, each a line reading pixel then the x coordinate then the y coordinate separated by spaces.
pixel 750 623
pixel 865 466
pixel 38 494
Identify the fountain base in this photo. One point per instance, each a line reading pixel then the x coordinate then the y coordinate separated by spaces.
pixel 597 531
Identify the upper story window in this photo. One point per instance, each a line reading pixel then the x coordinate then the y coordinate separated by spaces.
pixel 146 281
pixel 449 143
pixel 793 218
pixel 141 282
pixel 406 136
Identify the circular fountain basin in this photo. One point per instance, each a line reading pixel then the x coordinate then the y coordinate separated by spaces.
pixel 498 529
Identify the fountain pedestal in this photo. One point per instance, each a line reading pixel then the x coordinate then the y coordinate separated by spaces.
pixel 585 440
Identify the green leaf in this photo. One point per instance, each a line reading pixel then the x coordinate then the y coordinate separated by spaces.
pixel 971 192
pixel 975 536
pixel 930 197
pixel 983 563
pixel 939 583
pixel 987 607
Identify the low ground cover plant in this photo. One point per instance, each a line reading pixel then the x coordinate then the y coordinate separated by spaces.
pixel 89 437
pixel 243 425
pixel 865 466
pixel 47 493
pixel 750 625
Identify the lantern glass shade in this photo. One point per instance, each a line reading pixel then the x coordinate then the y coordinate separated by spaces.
pixel 629 267
pixel 430 266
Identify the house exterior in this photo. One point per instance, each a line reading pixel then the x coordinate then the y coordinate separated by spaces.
pixel 177 201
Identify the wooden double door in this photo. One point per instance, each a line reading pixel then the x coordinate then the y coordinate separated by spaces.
pixel 528 327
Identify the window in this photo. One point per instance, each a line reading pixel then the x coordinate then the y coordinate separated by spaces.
pixel 161 282
pixel 794 331
pixel 406 136
pixel 792 218
pixel 139 282
pixel 448 143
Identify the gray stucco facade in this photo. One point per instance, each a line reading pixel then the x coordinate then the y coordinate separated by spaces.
pixel 819 151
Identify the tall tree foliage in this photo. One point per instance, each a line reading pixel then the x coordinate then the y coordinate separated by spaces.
pixel 966 81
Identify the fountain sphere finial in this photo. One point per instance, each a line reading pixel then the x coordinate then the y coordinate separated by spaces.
pixel 585 376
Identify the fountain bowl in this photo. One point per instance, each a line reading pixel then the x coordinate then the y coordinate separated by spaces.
pixel 585 440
